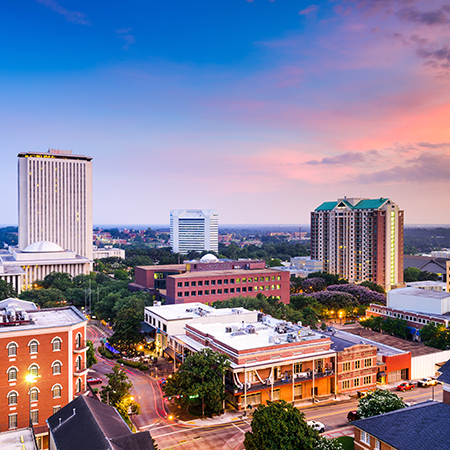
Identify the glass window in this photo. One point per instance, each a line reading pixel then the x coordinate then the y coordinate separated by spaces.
pixel 12 374
pixel 207 292
pixel 186 294
pixel 12 398
pixel 200 292
pixel 368 379
pixel 186 284
pixel 56 391
pixel 56 344
pixel 346 384
pixel 34 417
pixel 33 347
pixel 232 290
pixel 213 292
pixel 346 367
pixel 278 286
pixel 225 291
pixel 357 364
pixel 193 293
pixel 213 282
pixel 238 290
pixel 267 287
pixel 238 280
pixel 368 362
pixel 206 282
pixel 250 280
pixel 261 279
pixel 244 280
pixel 193 283
pixel 56 368
pixel 267 279
pixel 356 382
pixel 179 294
pixel 78 385
pixel 219 281
pixel 34 395
pixel 180 284
pixel 219 291
pixel 244 289
pixel 232 281
pixel 225 281
pixel 12 349
pixel 200 283
pixel 34 370
pixel 278 278
pixel 56 409
pixel 12 421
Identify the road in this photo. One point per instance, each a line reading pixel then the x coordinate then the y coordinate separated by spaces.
pixel 172 435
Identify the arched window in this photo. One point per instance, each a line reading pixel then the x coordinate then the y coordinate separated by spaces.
pixel 78 385
pixel 12 349
pixel 33 346
pixel 56 389
pixel 56 368
pixel 34 370
pixel 78 363
pixel 78 341
pixel 56 344
pixel 12 374
pixel 12 398
pixel 34 395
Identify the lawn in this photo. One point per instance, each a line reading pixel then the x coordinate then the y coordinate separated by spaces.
pixel 347 442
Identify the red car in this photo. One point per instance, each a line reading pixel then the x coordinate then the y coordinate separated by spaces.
pixel 94 380
pixel 405 387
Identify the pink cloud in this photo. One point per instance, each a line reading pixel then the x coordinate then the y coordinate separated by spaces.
pixel 71 16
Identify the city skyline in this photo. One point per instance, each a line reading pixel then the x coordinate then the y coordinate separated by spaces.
pixel 260 109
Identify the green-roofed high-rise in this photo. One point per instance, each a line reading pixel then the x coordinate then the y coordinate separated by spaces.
pixel 360 239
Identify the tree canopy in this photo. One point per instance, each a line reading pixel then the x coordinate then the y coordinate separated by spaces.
pixel 280 426
pixel 379 401
pixel 7 290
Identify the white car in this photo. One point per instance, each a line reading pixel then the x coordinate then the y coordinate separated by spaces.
pixel 319 426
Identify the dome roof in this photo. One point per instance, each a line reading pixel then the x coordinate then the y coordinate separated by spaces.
pixel 42 247
pixel 209 258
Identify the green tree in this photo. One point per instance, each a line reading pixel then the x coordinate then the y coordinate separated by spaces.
pixel 411 274
pixel 280 426
pixel 90 354
pixel 329 278
pixel 118 388
pixel 373 286
pixel 57 280
pixel 273 262
pixel 379 401
pixel 120 274
pixel 201 377
pixel 437 336
pixel 328 444
pixel 7 290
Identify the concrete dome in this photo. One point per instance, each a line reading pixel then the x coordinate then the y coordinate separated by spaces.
pixel 209 258
pixel 43 247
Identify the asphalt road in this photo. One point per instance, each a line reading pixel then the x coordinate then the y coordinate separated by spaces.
pixel 172 435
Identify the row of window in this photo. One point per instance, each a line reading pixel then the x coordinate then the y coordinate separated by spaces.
pixel 226 290
pixel 34 416
pixel 34 395
pixel 357 382
pixel 33 345
pixel 231 281
pixel 365 437
pixel 402 316
pixel 347 366
pixel 34 369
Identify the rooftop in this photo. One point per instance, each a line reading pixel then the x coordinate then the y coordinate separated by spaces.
pixel 417 292
pixel 192 310
pixel 421 426
pixel 164 268
pixel 445 371
pixel 220 273
pixel 365 203
pixel 22 439
pixel 53 155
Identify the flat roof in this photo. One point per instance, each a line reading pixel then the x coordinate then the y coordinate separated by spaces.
pixel 265 334
pixel 417 292
pixel 220 273
pixel 48 318
pixel 17 439
pixel 164 268
pixel 193 310
pixel 50 155
pixel 416 348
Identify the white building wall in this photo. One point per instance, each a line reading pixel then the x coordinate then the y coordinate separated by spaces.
pixel 420 303
pixel 426 365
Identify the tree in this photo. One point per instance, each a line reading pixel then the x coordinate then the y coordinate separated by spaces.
pixel 437 336
pixel 90 354
pixel 57 280
pixel 379 401
pixel 7 290
pixel 411 274
pixel 373 286
pixel 200 382
pixel 328 277
pixel 328 444
pixel 120 274
pixel 310 285
pixel 280 426
pixel 118 388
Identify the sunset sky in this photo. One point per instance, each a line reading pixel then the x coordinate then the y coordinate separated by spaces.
pixel 261 109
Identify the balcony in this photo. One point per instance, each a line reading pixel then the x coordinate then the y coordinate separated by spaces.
pixel 286 380
pixel 80 346
pixel 80 370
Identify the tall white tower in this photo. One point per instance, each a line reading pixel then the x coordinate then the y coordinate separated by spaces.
pixel 55 200
pixel 194 229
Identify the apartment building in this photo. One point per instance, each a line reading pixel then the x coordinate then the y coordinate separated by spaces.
pixel 360 239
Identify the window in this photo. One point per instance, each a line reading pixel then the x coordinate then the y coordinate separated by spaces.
pixel 180 284
pixel 298 367
pixel 255 288
pixel 276 394
pixel 186 284
pixel 250 280
pixel 225 291
pixel 267 279
pixel 346 367
pixel 33 346
pixel 56 391
pixel 206 292
pixel 56 344
pixel 238 290
pixel 179 294
pixel 193 293
pixel 78 385
pixel 12 349
pixel 34 395
pixel 261 279
pixel 267 287
pixel 278 286
pixel 272 279
pixel 231 290
pixel 12 421
pixel 244 280
pixel 186 294
pixel 12 374
pixel 356 382
pixel 78 341
pixel 368 362
pixel 213 282
pixel 35 416
pixel 232 281
pixel 219 281
pixel 200 283
pixel 213 292
pixel 377 444
pixel 56 409
pixel 219 291
pixel 164 327
pixel 225 281
pixel 367 379
pixel 346 384
pixel 365 437
pixel 278 278
pixel 357 364
pixel 12 398
pixel 56 368
pixel 78 363
pixel 193 283
pixel 199 292
pixel 206 283
pixel 244 289
pixel 238 280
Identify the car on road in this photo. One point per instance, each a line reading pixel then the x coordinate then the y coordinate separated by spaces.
pixel 352 415
pixel 405 386
pixel 428 381
pixel 93 380
pixel 319 426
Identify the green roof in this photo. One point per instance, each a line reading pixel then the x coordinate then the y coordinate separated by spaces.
pixel 363 204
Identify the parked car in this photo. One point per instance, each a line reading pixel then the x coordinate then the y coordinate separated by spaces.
pixel 362 394
pixel 94 380
pixel 319 426
pixel 352 415
pixel 428 381
pixel 406 386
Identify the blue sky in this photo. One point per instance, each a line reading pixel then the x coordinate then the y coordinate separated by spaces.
pixel 261 109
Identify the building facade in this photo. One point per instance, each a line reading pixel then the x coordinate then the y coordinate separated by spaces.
pixel 55 200
pixel 360 240
pixel 194 229
pixel 43 364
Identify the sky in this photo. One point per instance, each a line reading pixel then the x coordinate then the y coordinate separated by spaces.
pixel 261 109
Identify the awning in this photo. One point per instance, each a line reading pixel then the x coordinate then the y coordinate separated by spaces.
pixel 169 351
pixel 147 328
pixel 413 331
pixel 381 374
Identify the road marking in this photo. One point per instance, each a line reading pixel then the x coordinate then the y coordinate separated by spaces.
pixel 242 431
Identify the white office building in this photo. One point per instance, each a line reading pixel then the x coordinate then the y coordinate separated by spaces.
pixel 194 229
pixel 55 200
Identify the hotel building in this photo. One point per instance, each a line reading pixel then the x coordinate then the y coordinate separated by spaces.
pixel 360 239
pixel 194 229
pixel 55 200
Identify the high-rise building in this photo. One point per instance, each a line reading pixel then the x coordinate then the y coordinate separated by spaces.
pixel 359 239
pixel 55 200
pixel 194 229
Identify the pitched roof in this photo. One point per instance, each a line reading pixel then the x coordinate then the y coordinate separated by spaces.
pixel 366 203
pixel 326 206
pixel 88 423
pixel 445 371
pixel 415 428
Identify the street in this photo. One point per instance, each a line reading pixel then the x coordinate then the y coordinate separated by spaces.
pixel 169 434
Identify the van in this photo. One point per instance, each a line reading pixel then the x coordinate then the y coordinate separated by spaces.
pixel 352 415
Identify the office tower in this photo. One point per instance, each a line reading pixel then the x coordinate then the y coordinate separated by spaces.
pixel 55 200
pixel 359 239
pixel 194 229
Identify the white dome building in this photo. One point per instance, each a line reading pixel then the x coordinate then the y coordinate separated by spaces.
pixel 208 258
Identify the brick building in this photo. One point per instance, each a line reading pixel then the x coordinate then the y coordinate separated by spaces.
pixel 43 362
